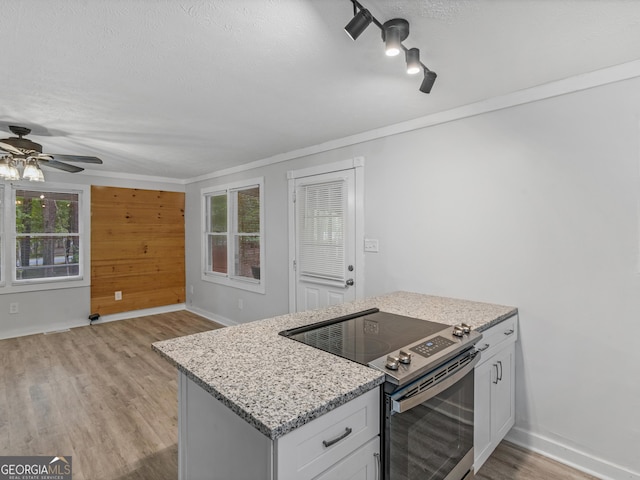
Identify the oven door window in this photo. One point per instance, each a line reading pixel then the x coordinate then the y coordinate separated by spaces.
pixel 429 440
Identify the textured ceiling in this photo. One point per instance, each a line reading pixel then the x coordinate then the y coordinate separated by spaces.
pixel 182 88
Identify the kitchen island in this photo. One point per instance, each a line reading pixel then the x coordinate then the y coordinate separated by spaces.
pixel 274 386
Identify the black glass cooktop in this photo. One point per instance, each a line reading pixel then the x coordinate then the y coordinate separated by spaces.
pixel 364 336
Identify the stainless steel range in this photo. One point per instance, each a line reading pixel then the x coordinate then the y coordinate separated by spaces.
pixel 427 399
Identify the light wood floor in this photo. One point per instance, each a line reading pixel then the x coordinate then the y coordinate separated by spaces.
pixel 510 462
pixel 100 394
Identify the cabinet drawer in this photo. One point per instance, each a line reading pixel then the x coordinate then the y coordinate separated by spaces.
pixel 311 449
pixel 363 464
pixel 497 336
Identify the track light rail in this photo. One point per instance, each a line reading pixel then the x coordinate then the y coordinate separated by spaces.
pixel 361 20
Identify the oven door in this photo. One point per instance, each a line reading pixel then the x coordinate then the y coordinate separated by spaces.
pixel 429 425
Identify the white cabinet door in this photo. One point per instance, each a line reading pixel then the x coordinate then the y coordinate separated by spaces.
pixel 363 464
pixel 494 392
pixel 502 395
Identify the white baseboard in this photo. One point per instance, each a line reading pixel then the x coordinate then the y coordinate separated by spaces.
pixel 23 332
pixel 56 327
pixel 141 313
pixel 570 456
pixel 227 322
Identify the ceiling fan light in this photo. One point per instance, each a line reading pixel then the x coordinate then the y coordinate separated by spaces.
pixel 4 167
pixel 358 24
pixel 13 174
pixel 30 171
pixel 40 176
pixel 413 61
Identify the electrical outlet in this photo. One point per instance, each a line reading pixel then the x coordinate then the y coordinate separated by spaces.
pixel 118 295
pixel 240 304
pixel 13 308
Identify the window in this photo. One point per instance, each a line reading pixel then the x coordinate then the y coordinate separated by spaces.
pixel 233 252
pixel 47 235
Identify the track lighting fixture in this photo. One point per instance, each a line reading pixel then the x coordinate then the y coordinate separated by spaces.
pixel 358 24
pixel 429 80
pixel 394 32
pixel 413 61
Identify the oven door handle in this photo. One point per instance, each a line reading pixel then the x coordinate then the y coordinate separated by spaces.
pixel 408 403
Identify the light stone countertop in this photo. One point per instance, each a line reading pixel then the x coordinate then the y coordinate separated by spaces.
pixel 277 384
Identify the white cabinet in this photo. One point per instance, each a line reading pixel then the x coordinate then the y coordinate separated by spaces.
pixel 363 464
pixel 494 389
pixel 216 444
pixel 306 452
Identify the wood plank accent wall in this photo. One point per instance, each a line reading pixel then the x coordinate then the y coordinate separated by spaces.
pixel 137 247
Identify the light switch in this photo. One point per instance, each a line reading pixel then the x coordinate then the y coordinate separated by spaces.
pixel 370 245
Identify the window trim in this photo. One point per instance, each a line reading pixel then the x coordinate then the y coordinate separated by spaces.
pixel 13 285
pixel 227 279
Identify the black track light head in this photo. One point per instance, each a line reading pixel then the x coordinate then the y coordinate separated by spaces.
pixel 358 24
pixel 429 80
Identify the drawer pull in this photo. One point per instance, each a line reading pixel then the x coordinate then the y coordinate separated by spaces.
pixel 509 332
pixel 482 349
pixel 347 432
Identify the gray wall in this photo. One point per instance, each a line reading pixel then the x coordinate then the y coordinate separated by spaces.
pixel 535 206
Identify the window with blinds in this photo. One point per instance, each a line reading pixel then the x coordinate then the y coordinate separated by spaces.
pixel 321 230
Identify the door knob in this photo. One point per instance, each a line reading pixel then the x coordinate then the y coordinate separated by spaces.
pixel 349 282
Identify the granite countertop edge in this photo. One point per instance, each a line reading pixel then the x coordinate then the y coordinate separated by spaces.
pixel 286 427
pixel 274 425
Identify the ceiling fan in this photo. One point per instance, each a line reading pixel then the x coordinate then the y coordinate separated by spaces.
pixel 27 154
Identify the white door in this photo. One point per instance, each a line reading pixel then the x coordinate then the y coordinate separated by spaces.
pixel 324 238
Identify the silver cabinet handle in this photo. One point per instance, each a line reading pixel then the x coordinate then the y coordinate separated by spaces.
pixel 378 466
pixel 509 332
pixel 500 377
pixel 497 379
pixel 347 432
pixel 482 349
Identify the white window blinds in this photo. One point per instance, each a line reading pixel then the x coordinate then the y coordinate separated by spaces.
pixel 321 223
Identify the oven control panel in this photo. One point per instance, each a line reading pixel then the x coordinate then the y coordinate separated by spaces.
pixel 432 346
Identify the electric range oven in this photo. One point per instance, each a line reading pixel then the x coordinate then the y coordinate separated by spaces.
pixel 427 398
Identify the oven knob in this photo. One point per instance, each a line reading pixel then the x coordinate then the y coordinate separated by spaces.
pixel 465 328
pixel 393 363
pixel 458 331
pixel 404 357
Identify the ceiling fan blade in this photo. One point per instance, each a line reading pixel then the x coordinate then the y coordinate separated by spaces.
pixel 9 148
pixel 74 158
pixel 60 165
